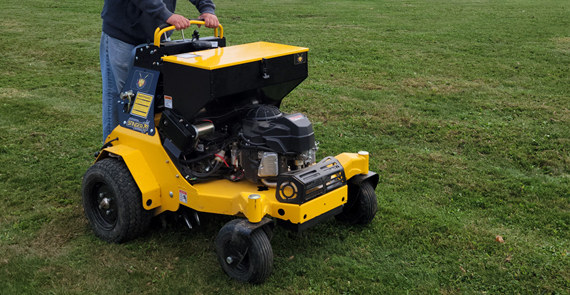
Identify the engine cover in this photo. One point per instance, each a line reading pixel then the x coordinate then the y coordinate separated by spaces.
pixel 281 133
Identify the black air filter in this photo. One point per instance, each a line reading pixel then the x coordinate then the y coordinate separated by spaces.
pixel 264 113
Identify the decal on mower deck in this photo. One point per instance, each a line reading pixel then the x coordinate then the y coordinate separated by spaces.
pixel 295 118
pixel 300 58
pixel 142 105
pixel 168 102
pixel 138 114
pixel 136 125
pixel 183 196
pixel 186 55
pixel 142 80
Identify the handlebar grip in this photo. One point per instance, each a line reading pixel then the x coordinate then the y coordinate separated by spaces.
pixel 161 30
pixel 164 25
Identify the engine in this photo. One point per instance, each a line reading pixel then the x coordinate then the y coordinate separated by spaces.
pixel 256 143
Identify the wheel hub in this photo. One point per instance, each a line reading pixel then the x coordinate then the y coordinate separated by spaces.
pixel 105 206
pixel 105 203
pixel 229 260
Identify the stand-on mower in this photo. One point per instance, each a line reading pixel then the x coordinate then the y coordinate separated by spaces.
pixel 201 131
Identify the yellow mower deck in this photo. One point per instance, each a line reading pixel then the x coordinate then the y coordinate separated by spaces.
pixel 164 189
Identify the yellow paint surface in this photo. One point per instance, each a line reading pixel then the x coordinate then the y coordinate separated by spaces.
pixel 165 189
pixel 233 55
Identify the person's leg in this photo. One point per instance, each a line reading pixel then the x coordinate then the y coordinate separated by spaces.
pixel 116 59
pixel 110 92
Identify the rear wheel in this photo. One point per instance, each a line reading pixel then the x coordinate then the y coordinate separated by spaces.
pixel 257 263
pixel 113 203
pixel 361 205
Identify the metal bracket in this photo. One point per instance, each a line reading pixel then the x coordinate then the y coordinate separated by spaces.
pixel 264 69
pixel 372 177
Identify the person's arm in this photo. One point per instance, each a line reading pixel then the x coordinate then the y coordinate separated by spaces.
pixel 207 12
pixel 204 6
pixel 158 10
pixel 179 21
pixel 211 20
pixel 155 8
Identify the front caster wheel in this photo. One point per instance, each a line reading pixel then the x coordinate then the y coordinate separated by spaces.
pixel 257 262
pixel 112 202
pixel 361 206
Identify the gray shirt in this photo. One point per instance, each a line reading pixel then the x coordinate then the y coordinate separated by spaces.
pixel 134 21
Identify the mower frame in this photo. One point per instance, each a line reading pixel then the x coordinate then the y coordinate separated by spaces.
pixel 300 199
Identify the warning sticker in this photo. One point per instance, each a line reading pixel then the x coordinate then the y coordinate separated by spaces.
pixel 183 196
pixel 142 105
pixel 168 102
pixel 186 55
pixel 295 118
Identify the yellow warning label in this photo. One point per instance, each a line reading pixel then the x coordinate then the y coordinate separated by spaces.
pixel 142 105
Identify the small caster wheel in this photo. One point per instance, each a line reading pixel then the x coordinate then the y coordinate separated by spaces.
pixel 361 205
pixel 257 262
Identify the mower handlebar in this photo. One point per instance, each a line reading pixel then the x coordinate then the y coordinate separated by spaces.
pixel 161 30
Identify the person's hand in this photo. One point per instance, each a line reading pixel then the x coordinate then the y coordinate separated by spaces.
pixel 179 21
pixel 211 20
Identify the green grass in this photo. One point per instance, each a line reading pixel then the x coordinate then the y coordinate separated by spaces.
pixel 462 104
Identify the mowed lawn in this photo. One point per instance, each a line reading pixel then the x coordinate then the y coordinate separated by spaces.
pixel 462 104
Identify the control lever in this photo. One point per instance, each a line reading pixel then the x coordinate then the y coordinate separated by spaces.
pixel 127 95
pixel 196 36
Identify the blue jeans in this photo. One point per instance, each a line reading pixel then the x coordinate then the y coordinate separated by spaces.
pixel 116 58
